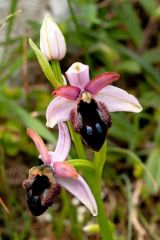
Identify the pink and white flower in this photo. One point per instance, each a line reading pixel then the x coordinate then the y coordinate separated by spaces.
pixel 45 181
pixel 88 103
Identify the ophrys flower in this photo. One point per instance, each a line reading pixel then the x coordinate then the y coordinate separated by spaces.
pixel 87 104
pixel 44 182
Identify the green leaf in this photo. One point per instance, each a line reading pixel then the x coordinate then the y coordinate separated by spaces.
pixel 82 164
pixel 89 14
pixel 130 66
pixel 130 20
pixel 153 166
pixel 46 68
pixel 26 118
pixel 152 55
pixel 136 160
pixel 149 69
pixel 150 6
pixel 120 126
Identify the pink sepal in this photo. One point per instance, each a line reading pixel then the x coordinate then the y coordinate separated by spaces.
pixel 40 145
pixel 63 145
pixel 64 169
pixel 69 92
pixel 101 81
pixel 78 75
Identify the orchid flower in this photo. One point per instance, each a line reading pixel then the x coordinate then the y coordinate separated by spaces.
pixel 45 181
pixel 87 104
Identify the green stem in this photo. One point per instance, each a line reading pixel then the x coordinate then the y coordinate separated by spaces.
pixel 77 142
pixel 104 224
pixel 57 72
pixel 79 33
pixel 99 160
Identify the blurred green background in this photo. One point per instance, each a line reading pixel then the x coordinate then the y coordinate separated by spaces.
pixel 110 35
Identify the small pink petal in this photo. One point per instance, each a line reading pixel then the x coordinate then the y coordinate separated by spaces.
pixel 64 170
pixel 69 92
pixel 59 111
pixel 40 145
pixel 78 75
pixel 101 81
pixel 63 144
pixel 80 189
pixel 116 99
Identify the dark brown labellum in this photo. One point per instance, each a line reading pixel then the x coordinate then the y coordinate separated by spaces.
pixel 34 195
pixel 92 121
pixel 40 193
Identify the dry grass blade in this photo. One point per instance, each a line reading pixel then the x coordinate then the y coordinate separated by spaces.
pixel 4 206
pixel 141 232
pixel 2 24
pixel 25 67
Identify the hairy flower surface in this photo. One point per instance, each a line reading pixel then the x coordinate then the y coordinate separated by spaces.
pixel 44 182
pixel 52 42
pixel 88 103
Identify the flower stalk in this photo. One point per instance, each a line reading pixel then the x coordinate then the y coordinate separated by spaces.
pixel 57 72
pixel 86 106
pixel 77 142
pixel 99 161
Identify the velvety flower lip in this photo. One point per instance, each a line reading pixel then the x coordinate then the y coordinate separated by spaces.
pixel 65 174
pixel 67 97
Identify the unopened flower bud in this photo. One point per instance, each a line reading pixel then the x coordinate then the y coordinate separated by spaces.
pixel 52 42
pixel 91 228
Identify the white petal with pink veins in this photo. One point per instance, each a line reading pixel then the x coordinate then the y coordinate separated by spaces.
pixel 79 188
pixel 59 110
pixel 116 99
pixel 63 144
pixel 78 75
